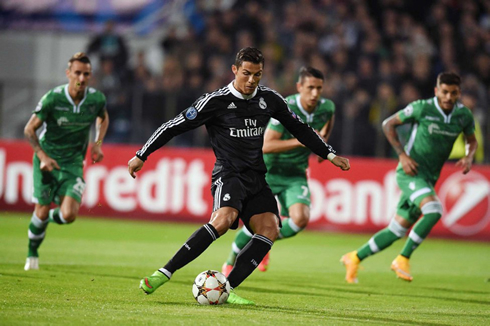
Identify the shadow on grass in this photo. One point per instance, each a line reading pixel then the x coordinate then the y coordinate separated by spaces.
pixel 323 315
pixel 352 290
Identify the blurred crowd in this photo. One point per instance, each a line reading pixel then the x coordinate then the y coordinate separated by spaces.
pixel 377 57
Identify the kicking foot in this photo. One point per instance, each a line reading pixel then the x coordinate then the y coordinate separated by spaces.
pixel 226 269
pixel 264 264
pixel 151 283
pixel 233 298
pixel 401 266
pixel 32 263
pixel 351 263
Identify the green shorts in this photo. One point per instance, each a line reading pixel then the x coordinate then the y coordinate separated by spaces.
pixel 289 190
pixel 50 186
pixel 414 190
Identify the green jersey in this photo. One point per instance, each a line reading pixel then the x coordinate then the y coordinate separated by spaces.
pixel 66 125
pixel 433 134
pixel 295 161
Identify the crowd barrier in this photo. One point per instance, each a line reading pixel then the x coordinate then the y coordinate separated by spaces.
pixel 175 186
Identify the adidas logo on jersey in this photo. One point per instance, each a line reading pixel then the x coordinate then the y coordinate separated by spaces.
pixel 231 106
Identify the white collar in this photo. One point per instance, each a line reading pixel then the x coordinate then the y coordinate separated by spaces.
pixel 447 118
pixel 309 116
pixel 240 95
pixel 68 97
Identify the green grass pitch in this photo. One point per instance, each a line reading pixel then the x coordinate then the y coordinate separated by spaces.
pixel 90 273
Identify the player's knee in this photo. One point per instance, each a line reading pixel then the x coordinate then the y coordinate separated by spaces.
pixel 432 210
pixel 301 220
pixel 69 216
pixel 43 215
pixel 397 228
pixel 270 232
pixel 222 222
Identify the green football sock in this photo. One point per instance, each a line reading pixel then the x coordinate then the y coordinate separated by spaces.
pixel 381 240
pixel 242 237
pixel 420 230
pixel 55 216
pixel 36 233
pixel 288 229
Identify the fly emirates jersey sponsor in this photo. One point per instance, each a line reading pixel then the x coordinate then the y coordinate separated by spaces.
pixel 236 124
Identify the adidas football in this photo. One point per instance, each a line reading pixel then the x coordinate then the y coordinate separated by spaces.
pixel 211 287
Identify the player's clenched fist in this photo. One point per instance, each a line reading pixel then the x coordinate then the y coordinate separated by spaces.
pixel 341 162
pixel 134 165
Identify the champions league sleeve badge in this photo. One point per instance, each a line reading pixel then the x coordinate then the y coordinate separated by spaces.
pixel 191 113
pixel 408 110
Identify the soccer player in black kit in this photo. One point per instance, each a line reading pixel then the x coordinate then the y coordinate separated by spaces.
pixel 235 117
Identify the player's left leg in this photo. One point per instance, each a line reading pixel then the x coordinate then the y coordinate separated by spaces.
pixel 432 211
pixel 70 196
pixel 299 216
pixel 293 195
pixel 266 229
pixel 261 216
pixel 67 212
pixel 242 237
pixel 295 202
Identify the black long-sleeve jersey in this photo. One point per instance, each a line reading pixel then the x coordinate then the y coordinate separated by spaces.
pixel 236 124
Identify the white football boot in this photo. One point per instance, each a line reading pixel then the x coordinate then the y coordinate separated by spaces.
pixel 32 263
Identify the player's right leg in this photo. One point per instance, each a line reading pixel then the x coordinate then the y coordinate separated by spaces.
pixel 233 298
pixel 380 241
pixel 36 234
pixel 198 242
pixel 431 209
pixel 242 237
pixel 44 185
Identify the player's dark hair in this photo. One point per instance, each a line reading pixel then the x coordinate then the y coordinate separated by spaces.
pixel 249 54
pixel 309 72
pixel 79 56
pixel 448 78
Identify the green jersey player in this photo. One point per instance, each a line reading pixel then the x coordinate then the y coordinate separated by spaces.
pixel 436 123
pixel 67 113
pixel 287 160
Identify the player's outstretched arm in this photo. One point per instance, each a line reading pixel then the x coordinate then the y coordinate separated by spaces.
pixel 134 165
pixel 341 162
pixel 467 161
pixel 47 163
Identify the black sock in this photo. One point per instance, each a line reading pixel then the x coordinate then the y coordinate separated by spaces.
pixel 193 247
pixel 249 258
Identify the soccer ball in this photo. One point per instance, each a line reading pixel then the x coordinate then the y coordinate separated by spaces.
pixel 211 287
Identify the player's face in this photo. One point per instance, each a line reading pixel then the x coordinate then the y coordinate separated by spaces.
pixel 79 75
pixel 309 91
pixel 447 95
pixel 247 77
